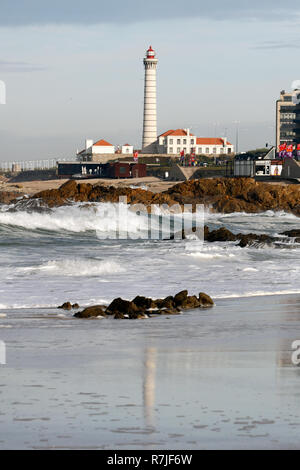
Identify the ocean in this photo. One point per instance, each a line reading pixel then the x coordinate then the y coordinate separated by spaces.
pixel 216 378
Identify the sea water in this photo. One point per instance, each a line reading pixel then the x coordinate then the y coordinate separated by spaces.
pixel 216 378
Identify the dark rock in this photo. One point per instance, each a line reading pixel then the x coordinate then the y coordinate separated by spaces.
pixel 66 306
pixel 122 306
pixel 220 235
pixel 7 197
pixel 94 311
pixel 170 311
pixel 143 302
pixel 75 306
pixel 180 297
pixel 168 302
pixel 253 238
pixel 292 233
pixel 205 300
pixel 124 309
pixel 190 303
pixel 119 316
pixel 223 194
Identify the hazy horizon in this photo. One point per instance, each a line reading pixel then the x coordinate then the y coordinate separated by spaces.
pixel 75 71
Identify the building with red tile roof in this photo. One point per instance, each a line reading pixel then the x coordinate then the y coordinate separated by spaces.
pixel 174 142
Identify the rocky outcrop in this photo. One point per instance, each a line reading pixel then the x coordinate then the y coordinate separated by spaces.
pixel 89 312
pixel 84 192
pixel 7 197
pixel 68 306
pixel 222 234
pixel 253 239
pixel 145 307
pixel 221 194
pixel 293 234
pixel 238 195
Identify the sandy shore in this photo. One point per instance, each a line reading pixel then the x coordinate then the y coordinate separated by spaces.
pixel 218 379
pixel 31 187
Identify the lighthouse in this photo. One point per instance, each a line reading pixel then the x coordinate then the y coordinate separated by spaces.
pixel 150 125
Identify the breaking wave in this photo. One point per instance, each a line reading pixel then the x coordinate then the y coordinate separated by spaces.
pixel 77 218
pixel 74 267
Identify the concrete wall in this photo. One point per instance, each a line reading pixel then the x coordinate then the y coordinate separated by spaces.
pixel 291 169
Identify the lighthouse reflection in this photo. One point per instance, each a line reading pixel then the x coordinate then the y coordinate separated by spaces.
pixel 149 385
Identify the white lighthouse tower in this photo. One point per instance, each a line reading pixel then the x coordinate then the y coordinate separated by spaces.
pixel 150 125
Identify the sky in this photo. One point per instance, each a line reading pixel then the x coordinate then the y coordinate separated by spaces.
pixel 73 70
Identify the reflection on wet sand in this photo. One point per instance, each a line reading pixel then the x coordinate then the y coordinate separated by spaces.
pixel 149 385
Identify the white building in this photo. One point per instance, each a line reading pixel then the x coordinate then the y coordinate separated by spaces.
pixel 98 148
pixel 127 149
pixel 173 142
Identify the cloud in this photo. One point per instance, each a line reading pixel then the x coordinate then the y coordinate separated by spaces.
pixel 8 66
pixel 35 12
pixel 269 45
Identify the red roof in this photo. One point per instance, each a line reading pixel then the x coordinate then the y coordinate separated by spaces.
pixel 210 141
pixel 103 143
pixel 177 132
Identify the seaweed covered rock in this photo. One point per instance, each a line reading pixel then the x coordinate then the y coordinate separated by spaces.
pixel 120 306
pixel 94 311
pixel 66 306
pixel 205 300
pixel 220 235
pixel 145 307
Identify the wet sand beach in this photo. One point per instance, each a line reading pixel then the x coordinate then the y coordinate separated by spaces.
pixel 213 379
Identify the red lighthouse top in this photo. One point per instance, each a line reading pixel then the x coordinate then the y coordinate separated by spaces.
pixel 150 53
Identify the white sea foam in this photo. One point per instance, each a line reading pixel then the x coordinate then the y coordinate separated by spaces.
pixel 77 218
pixel 208 256
pixel 75 267
pixel 45 272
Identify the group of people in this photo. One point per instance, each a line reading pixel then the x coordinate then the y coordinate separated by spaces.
pixel 289 151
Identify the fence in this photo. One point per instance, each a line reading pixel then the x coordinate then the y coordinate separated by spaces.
pixel 28 165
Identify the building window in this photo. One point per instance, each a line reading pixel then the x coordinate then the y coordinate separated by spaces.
pixel 221 150
pixel 184 149
pixel 178 141
pixel 192 142
pixel 199 150
pixel 171 141
pixel 178 149
pixel 207 150
pixel 184 141
pixel 171 150
pixel 214 150
pixel 229 150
